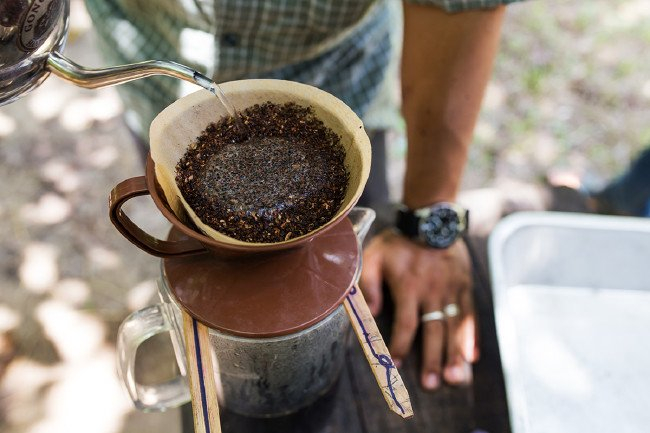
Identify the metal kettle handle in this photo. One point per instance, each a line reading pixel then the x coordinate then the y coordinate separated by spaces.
pixel 135 187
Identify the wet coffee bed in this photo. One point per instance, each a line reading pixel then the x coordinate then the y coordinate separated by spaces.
pixel 280 177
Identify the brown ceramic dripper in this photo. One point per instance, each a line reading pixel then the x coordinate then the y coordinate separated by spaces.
pixel 177 127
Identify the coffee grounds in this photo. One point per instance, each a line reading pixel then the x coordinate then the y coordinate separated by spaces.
pixel 284 178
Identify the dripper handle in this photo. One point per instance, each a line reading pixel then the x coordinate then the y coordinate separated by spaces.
pixel 135 187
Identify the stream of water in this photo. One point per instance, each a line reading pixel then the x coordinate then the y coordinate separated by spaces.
pixel 214 88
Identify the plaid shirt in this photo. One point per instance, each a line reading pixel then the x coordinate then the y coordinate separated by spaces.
pixel 349 48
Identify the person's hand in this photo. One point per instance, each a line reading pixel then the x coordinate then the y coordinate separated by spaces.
pixel 424 280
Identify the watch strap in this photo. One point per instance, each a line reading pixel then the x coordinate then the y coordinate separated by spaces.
pixel 407 222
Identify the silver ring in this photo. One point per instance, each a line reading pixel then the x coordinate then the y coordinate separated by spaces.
pixel 432 316
pixel 451 310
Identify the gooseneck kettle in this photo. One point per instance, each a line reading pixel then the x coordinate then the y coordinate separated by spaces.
pixel 32 36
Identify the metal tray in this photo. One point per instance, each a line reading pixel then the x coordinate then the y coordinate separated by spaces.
pixel 572 309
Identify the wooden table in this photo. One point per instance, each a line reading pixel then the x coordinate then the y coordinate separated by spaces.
pixel 355 404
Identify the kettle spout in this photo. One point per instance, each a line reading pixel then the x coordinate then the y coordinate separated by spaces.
pixel 95 78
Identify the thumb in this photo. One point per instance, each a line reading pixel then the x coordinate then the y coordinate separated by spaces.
pixel 371 279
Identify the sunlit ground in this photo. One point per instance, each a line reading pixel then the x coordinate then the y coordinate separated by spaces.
pixel 570 97
pixel 68 278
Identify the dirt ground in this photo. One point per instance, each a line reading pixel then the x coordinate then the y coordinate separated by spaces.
pixel 570 94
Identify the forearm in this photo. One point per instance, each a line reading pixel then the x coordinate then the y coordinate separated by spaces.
pixel 446 64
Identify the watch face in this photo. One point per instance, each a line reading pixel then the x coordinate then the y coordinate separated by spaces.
pixel 440 228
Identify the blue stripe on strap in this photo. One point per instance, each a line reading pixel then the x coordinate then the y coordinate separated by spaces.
pixel 199 363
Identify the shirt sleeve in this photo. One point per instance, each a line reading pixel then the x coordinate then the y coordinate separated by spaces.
pixel 463 5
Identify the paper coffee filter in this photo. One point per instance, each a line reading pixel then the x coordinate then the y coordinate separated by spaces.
pixel 178 126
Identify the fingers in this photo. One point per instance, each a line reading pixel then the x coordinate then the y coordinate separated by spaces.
pixel 460 342
pixel 458 373
pixel 371 279
pixel 457 370
pixel 468 332
pixel 432 352
pixel 404 328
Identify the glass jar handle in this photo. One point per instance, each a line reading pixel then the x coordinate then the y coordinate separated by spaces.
pixel 135 330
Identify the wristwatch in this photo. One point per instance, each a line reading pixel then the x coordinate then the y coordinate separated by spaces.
pixel 437 226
